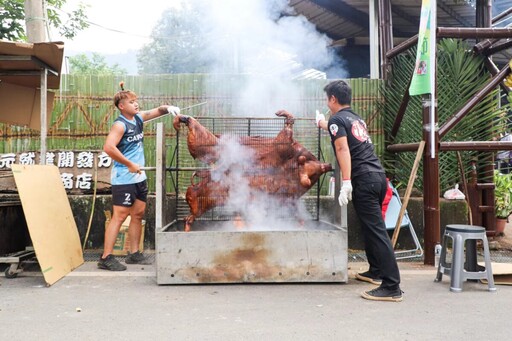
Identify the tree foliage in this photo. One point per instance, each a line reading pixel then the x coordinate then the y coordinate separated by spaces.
pixel 177 45
pixel 12 19
pixel 12 14
pixel 96 65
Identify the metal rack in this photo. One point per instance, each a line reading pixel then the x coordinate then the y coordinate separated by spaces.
pixel 313 252
pixel 16 261
pixel 183 165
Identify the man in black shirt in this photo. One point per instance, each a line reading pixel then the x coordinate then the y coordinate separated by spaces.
pixel 364 182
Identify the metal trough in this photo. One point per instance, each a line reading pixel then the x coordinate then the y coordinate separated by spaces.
pixel 215 251
pixel 213 254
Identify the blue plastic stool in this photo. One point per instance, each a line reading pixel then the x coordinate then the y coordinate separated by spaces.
pixel 459 235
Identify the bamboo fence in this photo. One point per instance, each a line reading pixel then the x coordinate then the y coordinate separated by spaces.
pixel 83 109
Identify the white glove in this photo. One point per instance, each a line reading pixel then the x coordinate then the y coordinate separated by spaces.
pixel 173 110
pixel 319 117
pixel 345 192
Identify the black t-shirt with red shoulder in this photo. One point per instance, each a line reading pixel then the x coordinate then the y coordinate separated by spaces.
pixel 347 123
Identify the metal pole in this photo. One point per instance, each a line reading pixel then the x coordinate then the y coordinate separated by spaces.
pixel 160 187
pixel 182 109
pixel 374 39
pixel 44 78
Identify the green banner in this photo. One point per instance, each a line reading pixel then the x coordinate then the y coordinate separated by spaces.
pixel 420 83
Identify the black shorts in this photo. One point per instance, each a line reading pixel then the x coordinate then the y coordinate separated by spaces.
pixel 125 195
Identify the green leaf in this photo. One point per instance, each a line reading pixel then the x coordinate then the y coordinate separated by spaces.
pixel 460 75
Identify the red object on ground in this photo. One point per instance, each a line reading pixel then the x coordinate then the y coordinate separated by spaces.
pixel 387 199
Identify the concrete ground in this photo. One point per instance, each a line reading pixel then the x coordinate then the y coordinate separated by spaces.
pixel 92 304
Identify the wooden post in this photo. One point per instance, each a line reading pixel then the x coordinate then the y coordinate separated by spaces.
pixel 431 212
pixel 385 35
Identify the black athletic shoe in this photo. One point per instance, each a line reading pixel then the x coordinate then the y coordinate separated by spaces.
pixel 137 258
pixel 111 263
pixel 368 277
pixel 383 294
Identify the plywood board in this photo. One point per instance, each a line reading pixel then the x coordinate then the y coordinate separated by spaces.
pixel 49 219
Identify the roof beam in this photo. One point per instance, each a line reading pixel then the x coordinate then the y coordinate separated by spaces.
pixel 36 63
pixel 402 14
pixel 451 12
pixel 345 11
pixel 405 16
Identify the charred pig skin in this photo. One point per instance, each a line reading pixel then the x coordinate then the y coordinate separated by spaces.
pixel 280 167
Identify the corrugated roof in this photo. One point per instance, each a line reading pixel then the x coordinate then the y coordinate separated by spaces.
pixel 349 19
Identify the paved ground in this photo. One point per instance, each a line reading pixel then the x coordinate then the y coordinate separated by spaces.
pixel 91 304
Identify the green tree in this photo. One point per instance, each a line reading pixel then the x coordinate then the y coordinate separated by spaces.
pixel 96 65
pixel 12 19
pixel 177 45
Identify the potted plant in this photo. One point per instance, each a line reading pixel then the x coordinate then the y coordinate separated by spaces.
pixel 502 199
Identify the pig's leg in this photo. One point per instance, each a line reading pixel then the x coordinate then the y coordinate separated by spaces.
pixel 188 222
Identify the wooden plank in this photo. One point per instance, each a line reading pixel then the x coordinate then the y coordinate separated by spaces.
pixel 414 169
pixel 49 219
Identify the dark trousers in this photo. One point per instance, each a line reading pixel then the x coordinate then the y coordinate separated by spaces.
pixel 368 194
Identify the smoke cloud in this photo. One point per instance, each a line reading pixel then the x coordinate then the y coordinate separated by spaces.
pixel 257 209
pixel 266 41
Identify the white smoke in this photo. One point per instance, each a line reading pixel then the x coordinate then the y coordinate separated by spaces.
pixel 256 38
pixel 257 209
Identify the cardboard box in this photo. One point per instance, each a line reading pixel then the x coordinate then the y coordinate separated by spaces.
pixel 22 106
pixel 122 244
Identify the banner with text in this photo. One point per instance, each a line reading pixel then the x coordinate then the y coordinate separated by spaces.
pixel 423 70
pixel 77 168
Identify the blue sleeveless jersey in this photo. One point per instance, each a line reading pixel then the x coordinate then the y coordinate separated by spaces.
pixel 132 147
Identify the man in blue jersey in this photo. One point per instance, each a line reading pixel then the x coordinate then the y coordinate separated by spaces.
pixel 364 182
pixel 124 144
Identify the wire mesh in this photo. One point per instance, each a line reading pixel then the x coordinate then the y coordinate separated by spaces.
pixel 258 138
